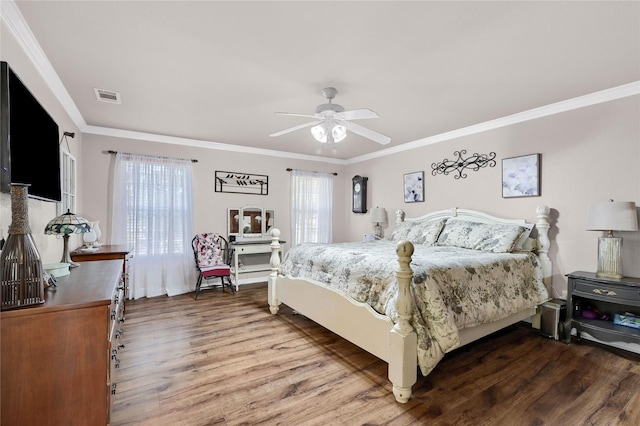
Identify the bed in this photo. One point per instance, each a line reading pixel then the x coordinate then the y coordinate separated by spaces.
pixel 439 282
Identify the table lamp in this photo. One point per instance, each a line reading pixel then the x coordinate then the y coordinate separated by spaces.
pixel 378 216
pixel 612 216
pixel 66 224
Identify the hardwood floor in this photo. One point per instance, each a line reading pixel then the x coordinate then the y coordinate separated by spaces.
pixel 225 360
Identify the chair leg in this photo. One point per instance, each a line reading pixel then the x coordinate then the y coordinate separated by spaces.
pixel 231 286
pixel 198 283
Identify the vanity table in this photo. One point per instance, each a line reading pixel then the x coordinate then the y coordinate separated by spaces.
pixel 249 230
pixel 251 256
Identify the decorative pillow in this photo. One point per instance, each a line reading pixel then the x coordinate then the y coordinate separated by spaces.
pixel 497 238
pixel 401 231
pixel 525 243
pixel 528 245
pixel 418 232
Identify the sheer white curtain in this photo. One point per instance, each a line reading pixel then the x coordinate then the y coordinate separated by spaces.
pixel 152 213
pixel 311 207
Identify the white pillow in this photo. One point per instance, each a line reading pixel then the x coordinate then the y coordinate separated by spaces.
pixel 423 232
pixel 496 238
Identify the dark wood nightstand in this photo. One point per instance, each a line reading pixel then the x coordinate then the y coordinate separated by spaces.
pixel 607 295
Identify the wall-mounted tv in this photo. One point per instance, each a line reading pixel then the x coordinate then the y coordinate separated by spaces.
pixel 29 141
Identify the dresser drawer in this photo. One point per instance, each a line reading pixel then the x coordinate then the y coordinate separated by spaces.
pixel 611 293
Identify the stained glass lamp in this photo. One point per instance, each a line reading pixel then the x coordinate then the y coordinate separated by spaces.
pixel 65 225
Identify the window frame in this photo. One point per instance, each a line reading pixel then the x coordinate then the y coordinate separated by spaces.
pixel 68 180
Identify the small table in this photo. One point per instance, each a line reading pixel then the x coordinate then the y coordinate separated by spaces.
pixel 610 295
pixel 248 249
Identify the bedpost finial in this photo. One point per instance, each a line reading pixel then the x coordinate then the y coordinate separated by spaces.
pixel 543 210
pixel 275 232
pixel 404 248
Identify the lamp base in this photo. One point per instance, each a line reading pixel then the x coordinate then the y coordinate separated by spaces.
pixel 378 231
pixel 66 257
pixel 610 257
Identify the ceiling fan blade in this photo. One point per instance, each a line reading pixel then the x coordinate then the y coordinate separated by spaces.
pixel 293 129
pixel 368 133
pixel 358 114
pixel 296 115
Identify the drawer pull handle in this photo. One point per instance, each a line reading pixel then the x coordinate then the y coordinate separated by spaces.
pixel 605 292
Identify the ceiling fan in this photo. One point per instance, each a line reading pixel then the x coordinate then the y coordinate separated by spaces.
pixel 332 122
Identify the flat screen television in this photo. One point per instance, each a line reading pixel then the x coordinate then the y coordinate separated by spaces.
pixel 29 141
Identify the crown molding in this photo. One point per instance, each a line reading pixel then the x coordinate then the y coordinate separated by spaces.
pixel 623 91
pixel 128 134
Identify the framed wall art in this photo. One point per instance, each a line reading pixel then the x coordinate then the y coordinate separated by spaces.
pixel 242 183
pixel 414 187
pixel 521 176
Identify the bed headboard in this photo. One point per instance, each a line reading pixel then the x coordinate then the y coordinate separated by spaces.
pixel 541 242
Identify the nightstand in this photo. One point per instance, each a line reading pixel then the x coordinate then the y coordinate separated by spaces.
pixel 608 295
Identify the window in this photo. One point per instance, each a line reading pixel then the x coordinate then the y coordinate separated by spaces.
pixel 68 176
pixel 152 214
pixel 311 207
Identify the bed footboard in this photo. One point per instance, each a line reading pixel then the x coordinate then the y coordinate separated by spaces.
pixel 394 344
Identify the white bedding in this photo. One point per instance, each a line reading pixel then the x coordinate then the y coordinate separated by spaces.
pixel 453 288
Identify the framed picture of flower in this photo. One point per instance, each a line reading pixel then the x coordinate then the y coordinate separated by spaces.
pixel 414 187
pixel 521 176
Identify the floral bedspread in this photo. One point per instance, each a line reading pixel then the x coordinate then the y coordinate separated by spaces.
pixel 453 288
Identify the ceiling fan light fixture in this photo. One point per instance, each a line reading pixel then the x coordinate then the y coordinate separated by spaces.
pixel 339 132
pixel 331 122
pixel 335 128
pixel 319 133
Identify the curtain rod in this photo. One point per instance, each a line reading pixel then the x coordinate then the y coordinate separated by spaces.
pixel 193 160
pixel 312 171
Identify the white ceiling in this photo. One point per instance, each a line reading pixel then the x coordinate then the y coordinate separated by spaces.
pixel 217 71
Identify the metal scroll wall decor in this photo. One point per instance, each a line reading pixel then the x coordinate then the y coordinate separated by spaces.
pixel 474 162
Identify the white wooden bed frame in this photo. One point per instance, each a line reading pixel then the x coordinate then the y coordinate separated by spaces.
pixel 394 344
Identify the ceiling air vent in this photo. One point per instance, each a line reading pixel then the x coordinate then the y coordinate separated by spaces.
pixel 107 96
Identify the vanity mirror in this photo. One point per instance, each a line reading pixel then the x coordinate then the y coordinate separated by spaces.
pixel 249 222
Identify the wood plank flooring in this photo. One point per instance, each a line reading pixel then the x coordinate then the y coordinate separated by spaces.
pixel 225 360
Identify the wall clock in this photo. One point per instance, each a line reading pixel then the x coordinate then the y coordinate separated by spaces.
pixel 359 186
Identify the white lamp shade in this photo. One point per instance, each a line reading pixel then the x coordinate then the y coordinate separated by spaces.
pixel 337 129
pixel 319 133
pixel 613 216
pixel 378 215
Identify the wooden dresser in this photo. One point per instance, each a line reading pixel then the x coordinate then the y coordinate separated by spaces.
pixel 58 359
pixel 107 252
